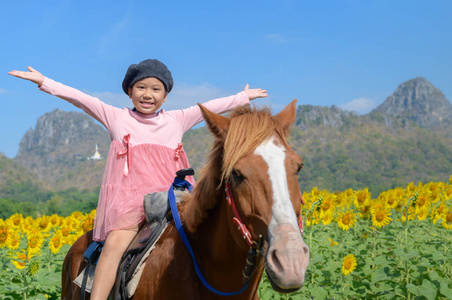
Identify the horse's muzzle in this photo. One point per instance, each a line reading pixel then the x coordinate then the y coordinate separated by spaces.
pixel 287 259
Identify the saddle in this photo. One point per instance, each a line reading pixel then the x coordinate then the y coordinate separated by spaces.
pixel 158 215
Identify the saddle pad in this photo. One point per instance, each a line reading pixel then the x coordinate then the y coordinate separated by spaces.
pixel 89 282
pixel 156 205
pixel 132 284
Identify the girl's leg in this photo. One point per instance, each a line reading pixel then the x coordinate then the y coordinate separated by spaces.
pixel 115 245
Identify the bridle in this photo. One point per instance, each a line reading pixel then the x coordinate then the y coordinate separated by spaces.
pixel 255 246
pixel 241 225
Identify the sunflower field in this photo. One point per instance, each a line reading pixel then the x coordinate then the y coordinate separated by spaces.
pixel 397 246
pixel 32 253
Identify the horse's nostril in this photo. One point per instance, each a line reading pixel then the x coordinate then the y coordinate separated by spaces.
pixel 277 266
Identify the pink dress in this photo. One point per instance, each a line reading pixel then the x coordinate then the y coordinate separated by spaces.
pixel 145 152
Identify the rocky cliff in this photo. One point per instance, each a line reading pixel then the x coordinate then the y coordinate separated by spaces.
pixel 58 148
pixel 418 102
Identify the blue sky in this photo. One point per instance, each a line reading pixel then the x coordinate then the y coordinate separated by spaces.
pixel 352 54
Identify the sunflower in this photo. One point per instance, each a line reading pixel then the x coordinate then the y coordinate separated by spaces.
pixel 16 220
pixel 349 264
pixel 14 240
pixel 21 259
pixel 447 217
pixel 422 214
pixel 26 226
pixel 362 198
pixel 34 243
pixel 33 267
pixel 65 231
pixel 423 200
pixel 55 220
pixel 399 193
pixel 71 223
pixel 315 217
pixel 380 216
pixel 392 200
pixel 438 213
pixel 327 206
pixel 87 224
pixel 77 215
pixel 379 205
pixel 341 199
pixel 364 211
pixel 4 234
pixel 55 243
pixel 332 242
pixel 44 224
pixel 327 218
pixel 346 220
pixel 448 192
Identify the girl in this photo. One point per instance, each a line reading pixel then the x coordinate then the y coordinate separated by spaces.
pixel 145 152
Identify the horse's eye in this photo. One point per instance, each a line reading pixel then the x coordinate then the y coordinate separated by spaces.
pixel 236 176
pixel 300 166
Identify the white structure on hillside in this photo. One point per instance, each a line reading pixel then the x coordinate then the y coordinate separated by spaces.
pixel 96 155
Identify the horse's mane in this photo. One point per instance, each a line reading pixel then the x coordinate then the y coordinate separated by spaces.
pixel 249 127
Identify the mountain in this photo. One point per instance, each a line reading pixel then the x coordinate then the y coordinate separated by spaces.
pixel 417 101
pixel 408 138
pixel 57 150
pixel 310 116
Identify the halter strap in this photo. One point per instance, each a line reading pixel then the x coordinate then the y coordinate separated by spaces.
pixel 172 201
pixel 241 225
pixel 237 220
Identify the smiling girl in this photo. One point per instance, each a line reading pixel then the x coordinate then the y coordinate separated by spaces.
pixel 145 152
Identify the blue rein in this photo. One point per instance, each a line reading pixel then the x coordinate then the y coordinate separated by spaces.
pixel 172 201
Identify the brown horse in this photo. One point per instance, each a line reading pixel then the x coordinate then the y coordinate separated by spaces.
pixel 251 155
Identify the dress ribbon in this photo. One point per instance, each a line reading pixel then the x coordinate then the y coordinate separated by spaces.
pixel 177 151
pixel 127 151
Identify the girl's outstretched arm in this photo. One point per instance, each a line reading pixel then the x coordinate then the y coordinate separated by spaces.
pixel 255 93
pixel 32 75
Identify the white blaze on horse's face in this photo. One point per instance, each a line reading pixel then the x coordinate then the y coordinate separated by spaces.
pixel 283 213
pixel 287 256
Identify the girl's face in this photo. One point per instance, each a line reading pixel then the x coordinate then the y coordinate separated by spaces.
pixel 148 95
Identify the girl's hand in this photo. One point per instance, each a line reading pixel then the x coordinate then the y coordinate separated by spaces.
pixel 32 75
pixel 255 93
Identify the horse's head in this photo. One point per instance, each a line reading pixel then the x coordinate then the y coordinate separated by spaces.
pixel 262 169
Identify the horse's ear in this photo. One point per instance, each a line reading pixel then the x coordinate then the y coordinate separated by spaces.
pixel 217 124
pixel 286 117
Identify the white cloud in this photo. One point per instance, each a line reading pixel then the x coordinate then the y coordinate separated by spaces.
pixel 361 105
pixel 3 91
pixel 184 95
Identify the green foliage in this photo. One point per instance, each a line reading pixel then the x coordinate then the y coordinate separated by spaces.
pixel 371 155
pixel 62 203
pixel 40 279
pixel 410 260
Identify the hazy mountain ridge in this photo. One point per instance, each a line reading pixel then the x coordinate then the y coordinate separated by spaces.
pixel 58 148
pixel 416 101
pixel 407 138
